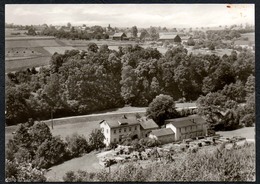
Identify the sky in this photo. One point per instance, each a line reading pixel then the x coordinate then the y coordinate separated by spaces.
pixel 128 15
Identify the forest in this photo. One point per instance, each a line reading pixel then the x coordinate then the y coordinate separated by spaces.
pixel 82 82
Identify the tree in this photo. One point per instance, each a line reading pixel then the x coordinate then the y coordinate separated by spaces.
pixel 134 31
pixel 211 46
pixel 161 108
pixel 250 85
pixel 96 139
pixel 31 31
pixel 56 62
pixel 211 106
pixel 153 33
pixel 22 137
pixel 190 42
pixel 77 145
pixel 50 152
pixel 17 172
pixel 17 110
pixel 92 47
pixel 40 132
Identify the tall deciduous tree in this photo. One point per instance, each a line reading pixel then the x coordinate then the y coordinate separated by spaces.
pixel 96 139
pixel 161 108
pixel 134 31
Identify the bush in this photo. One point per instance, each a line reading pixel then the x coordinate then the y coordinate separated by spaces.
pixel 50 153
pixel 77 145
pixel 222 165
pixel 96 139
pixel 22 173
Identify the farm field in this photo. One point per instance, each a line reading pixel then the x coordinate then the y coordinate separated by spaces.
pixel 27 52
pixel 21 64
pixel 10 32
pixel 31 51
pixel 60 50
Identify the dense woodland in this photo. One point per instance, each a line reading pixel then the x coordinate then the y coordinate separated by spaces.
pixel 99 78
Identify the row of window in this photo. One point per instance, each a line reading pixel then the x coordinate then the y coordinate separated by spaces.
pixel 125 129
pixel 187 136
pixel 189 128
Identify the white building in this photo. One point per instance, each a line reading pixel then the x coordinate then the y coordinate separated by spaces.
pixel 187 127
pixel 115 130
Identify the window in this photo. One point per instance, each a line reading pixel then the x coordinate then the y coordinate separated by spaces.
pixel 124 129
pixel 114 139
pixel 120 130
pixel 183 130
pixel 130 129
pixel 114 131
pixel 135 127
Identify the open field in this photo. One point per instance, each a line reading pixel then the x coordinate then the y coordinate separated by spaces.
pixel 250 36
pixel 10 32
pixel 21 64
pixel 20 48
pixel 27 52
pixel 88 162
pixel 247 132
pixel 59 49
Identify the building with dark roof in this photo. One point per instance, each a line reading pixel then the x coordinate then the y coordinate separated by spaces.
pixel 119 36
pixel 187 127
pixel 147 125
pixel 164 135
pixel 170 37
pixel 116 130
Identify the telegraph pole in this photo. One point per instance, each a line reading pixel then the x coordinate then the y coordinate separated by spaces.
pixel 51 119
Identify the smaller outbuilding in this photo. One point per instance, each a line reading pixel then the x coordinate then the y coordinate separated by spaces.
pixel 164 135
pixel 170 38
pixel 147 125
pixel 119 36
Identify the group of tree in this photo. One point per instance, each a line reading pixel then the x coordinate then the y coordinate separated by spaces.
pixel 227 109
pixel 33 149
pixel 81 82
pixel 94 32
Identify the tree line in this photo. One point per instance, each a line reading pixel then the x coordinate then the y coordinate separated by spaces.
pixel 82 82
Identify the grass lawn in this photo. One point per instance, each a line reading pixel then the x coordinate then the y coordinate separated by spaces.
pixel 88 162
pixel 82 128
pixel 247 132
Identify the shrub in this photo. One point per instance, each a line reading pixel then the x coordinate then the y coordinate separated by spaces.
pixel 96 139
pixel 50 152
pixel 77 145
pixel 15 172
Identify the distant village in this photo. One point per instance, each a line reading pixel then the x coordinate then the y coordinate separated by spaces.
pixel 199 37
